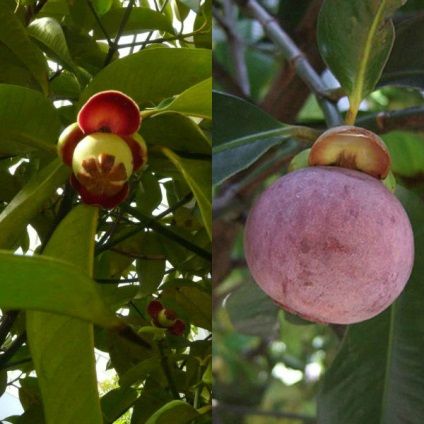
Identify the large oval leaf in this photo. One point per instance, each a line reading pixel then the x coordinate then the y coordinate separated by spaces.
pixel 406 62
pixel 23 117
pixel 12 34
pixel 378 375
pixel 151 76
pixel 28 202
pixel 355 39
pixel 197 175
pixel 195 101
pixel 48 33
pixel 45 284
pixel 141 19
pixel 240 123
pixel 62 347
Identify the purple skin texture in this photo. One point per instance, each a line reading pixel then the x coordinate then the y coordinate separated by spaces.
pixel 330 244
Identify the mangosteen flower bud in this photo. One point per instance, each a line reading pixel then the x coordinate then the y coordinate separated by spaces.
pixel 165 318
pixel 103 148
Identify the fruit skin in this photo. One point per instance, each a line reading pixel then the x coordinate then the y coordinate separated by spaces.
pixel 332 245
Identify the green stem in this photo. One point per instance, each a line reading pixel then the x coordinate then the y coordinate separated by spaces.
pixel 296 132
pixel 99 23
pixel 151 223
pixel 167 371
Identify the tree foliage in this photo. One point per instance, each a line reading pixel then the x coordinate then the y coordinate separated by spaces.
pixel 288 70
pixel 75 278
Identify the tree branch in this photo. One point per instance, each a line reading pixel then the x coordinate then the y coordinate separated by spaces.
pixel 296 58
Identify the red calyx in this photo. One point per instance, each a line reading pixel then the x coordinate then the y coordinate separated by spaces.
pixel 110 111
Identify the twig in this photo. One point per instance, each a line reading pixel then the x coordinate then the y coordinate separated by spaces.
pixel 167 371
pixel 293 54
pixel 236 47
pixel 411 119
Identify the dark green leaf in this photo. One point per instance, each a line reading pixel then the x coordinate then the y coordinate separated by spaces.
pixel 406 62
pixel 235 120
pixel 355 39
pixel 28 202
pixel 12 34
pixel 116 402
pixel 251 311
pixel 378 375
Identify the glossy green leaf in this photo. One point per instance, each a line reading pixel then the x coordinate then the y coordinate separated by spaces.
pixel 378 375
pixel 175 131
pixel 139 372
pixel 116 402
pixel 355 39
pixel 149 196
pixel 203 26
pixel 406 62
pixel 13 35
pixel 141 19
pixel 195 101
pixel 102 6
pixel 48 33
pixel 406 152
pixel 235 120
pixel 191 300
pixel 28 202
pixel 251 311
pixel 62 347
pixel 23 117
pixel 46 284
pixel 176 411
pixel 153 75
pixel 197 174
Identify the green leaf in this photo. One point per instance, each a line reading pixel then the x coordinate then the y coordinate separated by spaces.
pixel 46 284
pixel 141 19
pixel 12 34
pixel 406 152
pixel 378 375
pixel 406 62
pixel 153 75
pixel 49 35
pixel 191 300
pixel 251 311
pixel 197 174
pixel 116 402
pixel 28 202
pixel 244 125
pixel 139 372
pixel 23 117
pixel 62 347
pixel 195 101
pixel 176 411
pixel 175 131
pixel 102 6
pixel 355 39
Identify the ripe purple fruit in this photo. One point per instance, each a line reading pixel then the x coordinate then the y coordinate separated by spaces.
pixel 330 244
